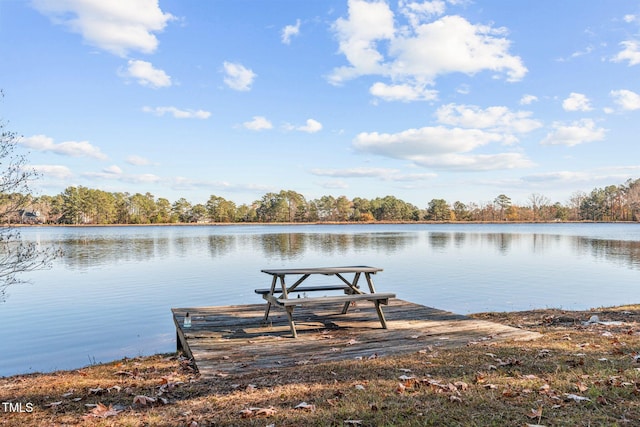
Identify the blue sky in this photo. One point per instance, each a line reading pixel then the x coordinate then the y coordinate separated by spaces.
pixel 458 100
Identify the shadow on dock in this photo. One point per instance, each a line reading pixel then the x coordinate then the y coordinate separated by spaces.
pixel 232 339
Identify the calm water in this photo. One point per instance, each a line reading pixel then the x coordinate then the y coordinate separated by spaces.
pixel 111 293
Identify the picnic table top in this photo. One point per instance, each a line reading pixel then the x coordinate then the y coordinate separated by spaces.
pixel 321 270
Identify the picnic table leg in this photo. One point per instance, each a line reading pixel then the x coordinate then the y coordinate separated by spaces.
pixel 266 310
pixel 292 325
pixel 383 321
pixel 354 284
pixel 372 289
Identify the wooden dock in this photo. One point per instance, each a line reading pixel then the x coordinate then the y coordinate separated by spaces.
pixel 231 339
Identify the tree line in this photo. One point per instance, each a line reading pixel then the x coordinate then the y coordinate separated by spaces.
pixel 82 205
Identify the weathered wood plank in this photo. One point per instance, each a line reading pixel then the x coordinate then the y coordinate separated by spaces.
pixel 382 297
pixel 319 288
pixel 232 339
pixel 322 270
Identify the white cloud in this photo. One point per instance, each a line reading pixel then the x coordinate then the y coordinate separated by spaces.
pixel 290 31
pixel 312 126
pixel 137 160
pixel 528 99
pixel 238 77
pixel 113 169
pixel 67 148
pixel 334 185
pixel 258 123
pixel 383 173
pixel 427 141
pixel 476 162
pixel 630 52
pixel 417 53
pixel 595 177
pixel 499 119
pixel 145 74
pixel 358 35
pixel 402 92
pixel 575 133
pixel 464 89
pixel 177 113
pixel 630 18
pixel 452 44
pixel 576 102
pixel 354 172
pixel 419 11
pixel 142 178
pixel 115 173
pixel 452 147
pixel 441 147
pixel 114 26
pixel 53 171
pixel 626 99
pixel 559 176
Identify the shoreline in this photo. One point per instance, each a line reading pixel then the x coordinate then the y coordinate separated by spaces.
pixel 226 224
pixel 489 314
pixel 577 372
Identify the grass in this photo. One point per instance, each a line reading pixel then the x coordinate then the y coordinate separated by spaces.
pixel 576 374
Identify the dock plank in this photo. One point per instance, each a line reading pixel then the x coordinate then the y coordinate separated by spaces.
pixel 232 339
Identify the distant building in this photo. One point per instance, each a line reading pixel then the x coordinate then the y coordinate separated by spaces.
pixel 30 217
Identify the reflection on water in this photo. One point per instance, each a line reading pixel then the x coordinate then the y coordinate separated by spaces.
pixel 291 246
pixel 620 252
pixel 219 245
pixel 123 281
pixel 85 253
pixel 625 253
pixel 88 252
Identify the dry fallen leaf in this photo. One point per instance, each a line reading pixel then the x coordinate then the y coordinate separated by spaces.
pixel 510 393
pixel 265 411
pixel 246 413
pixel 582 387
pixel 461 385
pixel 103 411
pixel 257 412
pixel 535 413
pixel 143 400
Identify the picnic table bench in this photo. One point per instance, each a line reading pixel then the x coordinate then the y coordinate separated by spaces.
pixel 280 296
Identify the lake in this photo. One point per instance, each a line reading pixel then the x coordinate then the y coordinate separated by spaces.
pixel 110 294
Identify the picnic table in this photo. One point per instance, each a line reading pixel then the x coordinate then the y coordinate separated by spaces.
pixel 281 295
